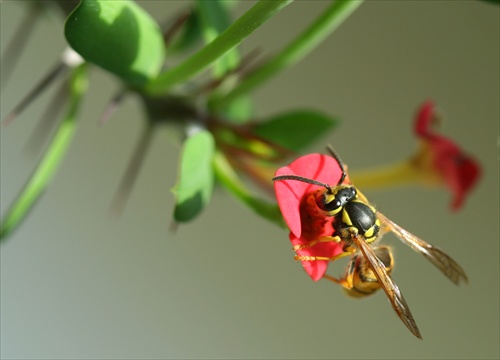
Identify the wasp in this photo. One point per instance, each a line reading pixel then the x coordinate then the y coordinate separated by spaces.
pixel 357 226
pixel 359 279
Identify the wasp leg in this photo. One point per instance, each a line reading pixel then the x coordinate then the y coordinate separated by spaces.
pixel 321 239
pixel 341 282
pixel 324 258
pixel 384 228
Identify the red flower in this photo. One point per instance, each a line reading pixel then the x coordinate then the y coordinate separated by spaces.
pixel 444 158
pixel 307 223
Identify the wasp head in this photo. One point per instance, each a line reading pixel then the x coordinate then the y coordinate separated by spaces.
pixel 333 200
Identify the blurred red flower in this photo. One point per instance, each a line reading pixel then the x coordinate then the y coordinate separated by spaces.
pixel 443 157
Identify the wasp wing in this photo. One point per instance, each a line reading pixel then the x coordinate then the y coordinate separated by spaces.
pixel 397 300
pixel 443 262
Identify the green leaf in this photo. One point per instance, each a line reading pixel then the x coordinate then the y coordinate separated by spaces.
pixel 240 111
pixel 228 177
pixel 196 178
pixel 51 160
pixel 118 36
pixel 231 37
pixel 295 130
pixel 215 19
pixel 326 23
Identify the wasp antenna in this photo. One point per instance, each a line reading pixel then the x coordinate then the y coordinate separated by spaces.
pixel 303 179
pixel 339 161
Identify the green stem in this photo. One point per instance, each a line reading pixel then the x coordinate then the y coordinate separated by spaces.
pixel 228 177
pixel 325 24
pixel 215 19
pixel 402 173
pixel 231 37
pixel 51 160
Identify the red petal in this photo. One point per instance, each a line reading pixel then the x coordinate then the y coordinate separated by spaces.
pixel 424 119
pixel 467 173
pixel 289 193
pixel 459 171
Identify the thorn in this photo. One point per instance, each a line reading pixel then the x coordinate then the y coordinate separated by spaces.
pixel 33 94
pixel 173 227
pixel 248 62
pixel 18 42
pixel 242 69
pixel 133 168
pixel 48 120
pixel 173 29
pixel 111 107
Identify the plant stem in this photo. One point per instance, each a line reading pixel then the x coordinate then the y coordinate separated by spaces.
pixel 231 37
pixel 228 177
pixel 51 160
pixel 402 173
pixel 325 24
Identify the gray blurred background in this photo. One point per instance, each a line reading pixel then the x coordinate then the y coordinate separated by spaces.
pixel 77 282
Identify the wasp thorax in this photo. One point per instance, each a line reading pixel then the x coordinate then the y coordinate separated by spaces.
pixel 334 200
